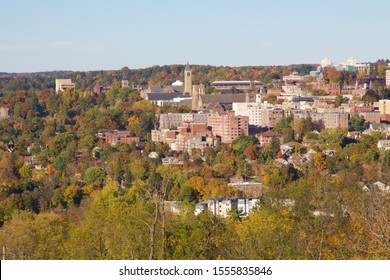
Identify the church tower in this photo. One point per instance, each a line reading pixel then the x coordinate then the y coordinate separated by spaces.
pixel 125 82
pixel 197 91
pixel 187 79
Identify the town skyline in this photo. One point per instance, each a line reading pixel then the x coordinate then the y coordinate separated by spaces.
pixel 42 36
pixel 287 158
pixel 282 153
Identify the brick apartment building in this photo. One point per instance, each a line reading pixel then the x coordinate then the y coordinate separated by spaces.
pixel 228 126
pixel 173 120
pixel 265 138
pixel 331 89
pixel 329 120
pixel 118 137
pixel 371 117
pixel 269 118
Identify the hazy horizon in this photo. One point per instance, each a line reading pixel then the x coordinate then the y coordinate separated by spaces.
pixel 182 64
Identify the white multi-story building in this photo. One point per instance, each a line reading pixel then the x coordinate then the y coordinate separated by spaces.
pixel 240 85
pixel 326 62
pixel 384 106
pixel 294 77
pixel 247 205
pixel 292 90
pixel 223 206
pixel 350 65
pixel 196 142
pixel 388 78
pixel 200 207
pixel 351 61
pixel 259 114
pixel 4 113
pixel 63 84
pixel 384 145
pixel 363 68
pixel 251 110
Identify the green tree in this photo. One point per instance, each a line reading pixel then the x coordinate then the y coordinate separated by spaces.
pixel 302 126
pixel 284 122
pixel 73 195
pixel 385 166
pixel 197 237
pixel 370 96
pixel 94 175
pixel 243 167
pixel 340 100
pixel 50 233
pixel 274 147
pixel 25 172
pixel 265 234
pixel 356 123
pixel 114 226
pixel 243 142
pixel 332 137
pixel 281 176
pixel 284 126
pixel 138 169
pixel 16 236
pixel 210 90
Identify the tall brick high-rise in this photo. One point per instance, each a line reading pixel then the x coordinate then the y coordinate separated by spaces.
pixel 228 126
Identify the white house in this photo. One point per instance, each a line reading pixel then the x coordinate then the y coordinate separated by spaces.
pixel 384 145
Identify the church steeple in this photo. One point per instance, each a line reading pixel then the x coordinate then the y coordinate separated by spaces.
pixel 188 68
pixel 187 79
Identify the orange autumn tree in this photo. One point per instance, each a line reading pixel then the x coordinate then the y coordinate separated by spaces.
pixel 214 188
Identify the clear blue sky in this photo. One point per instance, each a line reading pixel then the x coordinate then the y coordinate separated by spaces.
pixel 94 34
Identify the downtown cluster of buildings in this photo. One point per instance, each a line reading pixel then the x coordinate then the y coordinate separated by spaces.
pixel 225 116
pixel 242 108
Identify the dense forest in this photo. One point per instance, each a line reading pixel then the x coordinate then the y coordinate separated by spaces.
pixel 59 199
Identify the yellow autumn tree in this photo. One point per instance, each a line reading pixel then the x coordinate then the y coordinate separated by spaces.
pixel 73 195
pixel 133 120
pixel 197 183
pixel 319 161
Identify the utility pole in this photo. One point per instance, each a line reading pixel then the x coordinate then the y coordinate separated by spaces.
pixel 3 253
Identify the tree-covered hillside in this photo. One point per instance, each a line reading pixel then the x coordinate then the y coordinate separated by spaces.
pixel 65 193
